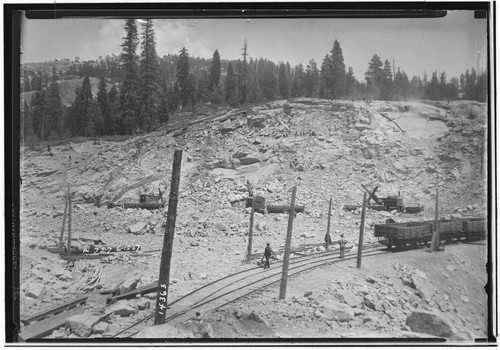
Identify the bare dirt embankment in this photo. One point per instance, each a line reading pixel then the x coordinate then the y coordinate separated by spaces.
pixel 326 148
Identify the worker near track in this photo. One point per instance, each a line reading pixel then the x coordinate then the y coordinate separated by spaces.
pixel 267 255
pixel 342 244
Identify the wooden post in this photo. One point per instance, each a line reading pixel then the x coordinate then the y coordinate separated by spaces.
pixel 284 273
pixel 168 241
pixel 66 198
pixel 361 232
pixel 435 233
pixel 70 204
pixel 250 231
pixel 327 237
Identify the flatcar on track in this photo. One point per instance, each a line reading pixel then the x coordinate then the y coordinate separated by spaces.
pixel 401 234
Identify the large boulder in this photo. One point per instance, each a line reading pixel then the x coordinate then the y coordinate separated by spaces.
pixel 122 308
pixel 137 228
pixel 227 127
pixel 82 324
pixel 431 323
pixel 335 310
pixel 35 290
pixel 424 287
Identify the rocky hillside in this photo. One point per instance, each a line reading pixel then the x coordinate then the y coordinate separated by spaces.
pixel 326 148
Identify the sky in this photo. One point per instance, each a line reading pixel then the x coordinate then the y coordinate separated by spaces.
pixel 449 44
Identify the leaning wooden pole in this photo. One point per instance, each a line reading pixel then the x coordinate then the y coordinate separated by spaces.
pixel 168 241
pixel 66 198
pixel 435 233
pixel 250 231
pixel 361 233
pixel 284 273
pixel 70 204
pixel 327 237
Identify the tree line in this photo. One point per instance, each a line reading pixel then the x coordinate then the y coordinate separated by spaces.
pixel 138 92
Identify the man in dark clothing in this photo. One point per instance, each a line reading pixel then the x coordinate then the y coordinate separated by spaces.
pixel 342 244
pixel 267 254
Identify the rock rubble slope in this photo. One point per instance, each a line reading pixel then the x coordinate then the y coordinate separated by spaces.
pixel 326 148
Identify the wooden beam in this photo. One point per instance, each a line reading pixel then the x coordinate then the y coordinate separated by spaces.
pixel 168 242
pixel 66 198
pixel 328 238
pixel 286 257
pixel 250 232
pixel 40 329
pixel 70 203
pixel 361 233
pixel 27 319
pixel 435 233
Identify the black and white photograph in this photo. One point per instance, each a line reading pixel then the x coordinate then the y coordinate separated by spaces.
pixel 252 173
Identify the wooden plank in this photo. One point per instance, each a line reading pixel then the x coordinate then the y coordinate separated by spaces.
pixel 40 329
pixel 27 319
pixel 288 242
pixel 168 241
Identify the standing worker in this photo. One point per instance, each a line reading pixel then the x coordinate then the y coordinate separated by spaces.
pixel 342 244
pixel 267 254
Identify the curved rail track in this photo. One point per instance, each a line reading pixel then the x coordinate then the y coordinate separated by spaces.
pixel 241 285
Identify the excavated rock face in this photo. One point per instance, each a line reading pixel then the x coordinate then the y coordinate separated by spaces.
pixel 326 148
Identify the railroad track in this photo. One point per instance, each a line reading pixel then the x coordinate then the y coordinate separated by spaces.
pixel 243 285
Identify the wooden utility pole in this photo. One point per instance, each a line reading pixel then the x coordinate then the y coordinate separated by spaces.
pixel 168 241
pixel 284 273
pixel 250 231
pixel 435 233
pixel 70 203
pixel 361 232
pixel 328 239
pixel 66 198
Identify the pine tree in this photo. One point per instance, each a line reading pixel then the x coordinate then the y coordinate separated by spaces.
pixel 282 81
pixel 54 109
pixel 326 77
pixel 299 81
pixel 113 99
pixel 443 87
pixel 164 110
pixel 215 70
pixel 203 91
pixel 39 112
pixel 129 94
pixel 254 91
pixel 481 89
pixel 386 88
pixel 150 71
pixel 231 86
pixel 470 84
pixel 79 116
pixel 350 83
pixel 312 79
pixel 104 104
pixel 453 88
pixel 375 74
pixel 183 76
pixel 337 71
pixel 432 90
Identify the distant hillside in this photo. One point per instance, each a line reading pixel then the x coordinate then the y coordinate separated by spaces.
pixel 67 88
pixel 60 65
